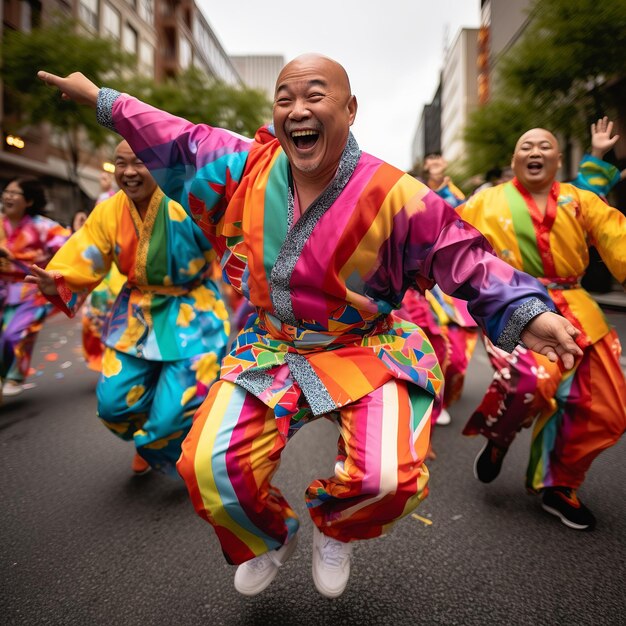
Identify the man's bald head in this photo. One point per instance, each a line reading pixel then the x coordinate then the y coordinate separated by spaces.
pixel 322 63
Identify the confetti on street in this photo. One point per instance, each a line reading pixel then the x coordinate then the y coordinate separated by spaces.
pixel 422 519
pixel 51 356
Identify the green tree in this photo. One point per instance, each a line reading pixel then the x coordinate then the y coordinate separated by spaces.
pixel 492 131
pixel 566 71
pixel 60 48
pixel 202 99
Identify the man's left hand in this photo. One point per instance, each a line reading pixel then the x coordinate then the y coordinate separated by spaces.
pixel 553 336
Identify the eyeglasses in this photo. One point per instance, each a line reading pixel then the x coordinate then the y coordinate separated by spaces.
pixel 12 192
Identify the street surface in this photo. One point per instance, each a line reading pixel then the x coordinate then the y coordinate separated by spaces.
pixel 85 542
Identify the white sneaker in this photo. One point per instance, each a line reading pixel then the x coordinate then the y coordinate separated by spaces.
pixel 11 388
pixel 444 418
pixel 255 575
pixel 331 564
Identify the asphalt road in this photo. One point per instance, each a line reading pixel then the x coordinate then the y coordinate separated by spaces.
pixel 84 542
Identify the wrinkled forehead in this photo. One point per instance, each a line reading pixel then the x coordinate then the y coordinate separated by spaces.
pixel 537 135
pixel 313 69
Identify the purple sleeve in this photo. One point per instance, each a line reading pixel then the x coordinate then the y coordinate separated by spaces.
pixel 183 158
pixel 461 261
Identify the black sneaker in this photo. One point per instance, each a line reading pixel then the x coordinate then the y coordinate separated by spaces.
pixel 488 462
pixel 564 503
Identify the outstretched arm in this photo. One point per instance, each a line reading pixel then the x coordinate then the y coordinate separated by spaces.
pixel 194 164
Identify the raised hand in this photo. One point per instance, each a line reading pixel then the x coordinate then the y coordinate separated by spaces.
pixel 601 140
pixel 553 336
pixel 75 86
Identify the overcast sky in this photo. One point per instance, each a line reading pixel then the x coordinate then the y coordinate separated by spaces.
pixel 392 50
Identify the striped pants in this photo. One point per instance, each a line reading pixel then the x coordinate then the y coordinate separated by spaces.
pixel 576 413
pixel 234 447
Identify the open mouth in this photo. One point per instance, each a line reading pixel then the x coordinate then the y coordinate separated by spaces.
pixel 304 139
pixel 132 184
pixel 535 166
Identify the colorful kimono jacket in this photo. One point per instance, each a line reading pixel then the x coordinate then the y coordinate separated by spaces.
pixel 33 240
pixel 325 286
pixel 22 308
pixel 96 311
pixel 596 175
pixel 169 309
pixel 555 246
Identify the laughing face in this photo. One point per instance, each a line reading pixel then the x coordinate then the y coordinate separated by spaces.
pixel 536 159
pixel 14 202
pixel 313 112
pixel 133 177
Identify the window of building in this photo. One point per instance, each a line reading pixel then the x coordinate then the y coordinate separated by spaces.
pixel 26 22
pixel 111 22
pixel 129 38
pixel 184 53
pixel 88 13
pixel 146 11
pixel 146 57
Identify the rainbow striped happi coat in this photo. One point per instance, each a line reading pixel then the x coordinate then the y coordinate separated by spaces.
pixel 325 286
pixel 324 340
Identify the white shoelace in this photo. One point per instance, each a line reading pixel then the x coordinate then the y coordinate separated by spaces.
pixel 259 563
pixel 333 553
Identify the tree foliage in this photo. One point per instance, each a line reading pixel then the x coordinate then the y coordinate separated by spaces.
pixel 202 99
pixel 61 49
pixel 492 131
pixel 564 73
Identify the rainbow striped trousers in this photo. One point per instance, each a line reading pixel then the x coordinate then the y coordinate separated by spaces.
pixel 234 448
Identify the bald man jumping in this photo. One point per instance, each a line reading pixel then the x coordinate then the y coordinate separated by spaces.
pixel 324 240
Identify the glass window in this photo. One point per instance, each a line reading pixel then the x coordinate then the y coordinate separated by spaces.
pixel 146 56
pixel 88 13
pixel 111 21
pixel 184 55
pixel 129 39
pixel 146 11
pixel 26 17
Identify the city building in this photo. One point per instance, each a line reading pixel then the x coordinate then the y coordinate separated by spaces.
pixel 259 71
pixel 167 37
pixel 459 92
pixel 502 23
pixel 427 138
